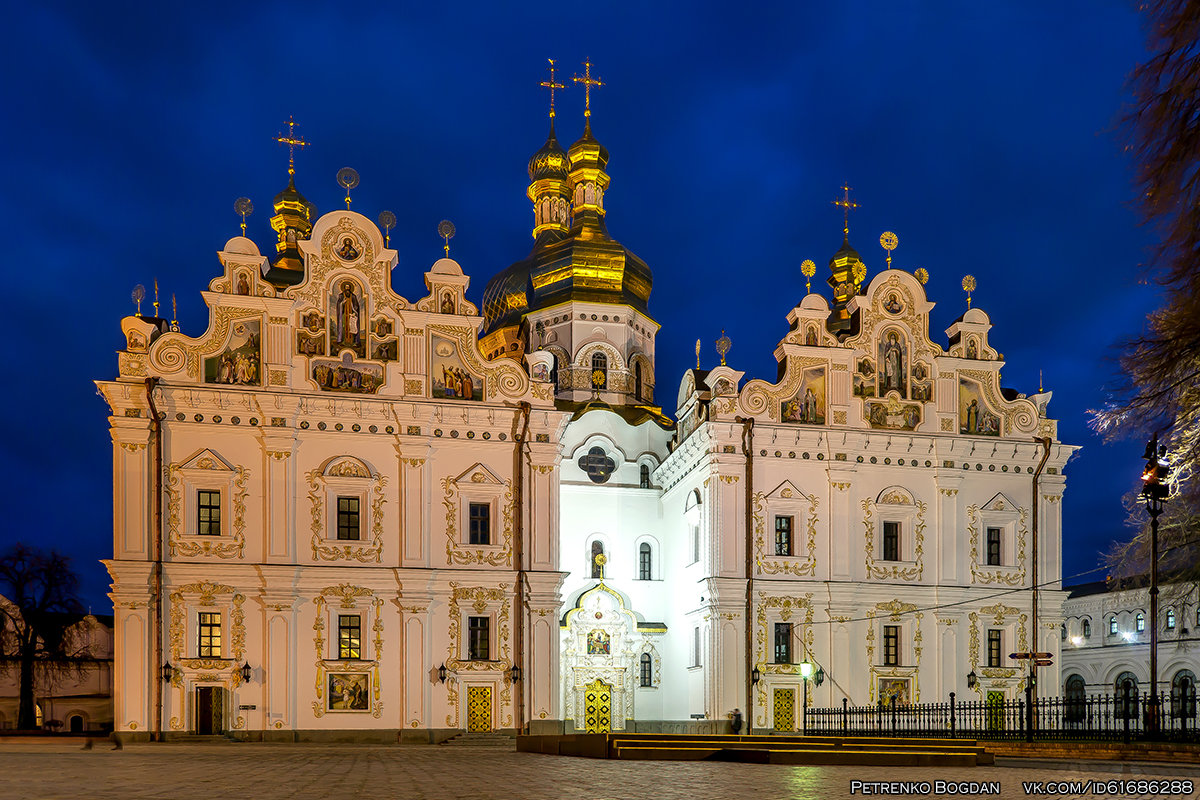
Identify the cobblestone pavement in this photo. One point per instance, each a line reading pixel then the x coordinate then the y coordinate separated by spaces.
pixel 268 771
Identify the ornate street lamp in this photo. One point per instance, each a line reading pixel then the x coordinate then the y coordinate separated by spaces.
pixel 972 679
pixel 442 673
pixel 755 676
pixel 1154 492
pixel 168 672
pixel 246 672
pixel 806 671
pixel 514 673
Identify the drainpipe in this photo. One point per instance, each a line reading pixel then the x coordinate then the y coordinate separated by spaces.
pixel 1044 441
pixel 156 575
pixel 521 454
pixel 748 451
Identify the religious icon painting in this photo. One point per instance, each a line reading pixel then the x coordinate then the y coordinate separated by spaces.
pixel 974 415
pixel 240 362
pixel 448 375
pixel 894 689
pixel 347 249
pixel 308 344
pixel 892 304
pixel 597 643
pixel 349 691
pixel 384 351
pixel 346 376
pixel 347 318
pixel 807 406
pixel 893 360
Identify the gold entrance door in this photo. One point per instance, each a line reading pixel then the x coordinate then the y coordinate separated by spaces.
pixel 597 702
pixel 784 710
pixel 479 708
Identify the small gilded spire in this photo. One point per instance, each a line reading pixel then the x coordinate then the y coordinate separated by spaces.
pixel 968 284
pixel 551 85
pixel 588 82
pixel 292 141
pixel 845 203
pixel 888 241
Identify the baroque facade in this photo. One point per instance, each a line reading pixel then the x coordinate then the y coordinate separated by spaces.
pixel 339 512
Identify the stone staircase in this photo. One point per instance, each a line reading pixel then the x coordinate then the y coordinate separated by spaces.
pixel 830 750
pixel 196 738
pixel 491 739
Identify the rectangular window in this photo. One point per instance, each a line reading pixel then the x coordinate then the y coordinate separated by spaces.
pixel 783 536
pixel 646 670
pixel 695 543
pixel 994 648
pixel 993 547
pixel 347 518
pixel 891 541
pixel 480 531
pixel 891 645
pixel 645 562
pixel 349 636
pixel 783 642
pixel 696 647
pixel 208 512
pixel 477 638
pixel 210 634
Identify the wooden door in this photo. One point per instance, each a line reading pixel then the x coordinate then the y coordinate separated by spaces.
pixel 210 710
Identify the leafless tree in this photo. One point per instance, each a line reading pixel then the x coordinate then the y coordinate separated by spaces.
pixel 39 615
pixel 1159 388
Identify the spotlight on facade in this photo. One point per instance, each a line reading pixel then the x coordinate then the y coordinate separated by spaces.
pixel 806 669
pixel 442 673
pixel 972 679
pixel 246 673
pixel 1077 641
pixel 1127 636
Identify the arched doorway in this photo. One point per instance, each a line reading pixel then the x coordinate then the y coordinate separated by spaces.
pixel 75 723
pixel 598 707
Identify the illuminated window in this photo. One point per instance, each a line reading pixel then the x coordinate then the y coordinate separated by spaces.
pixel 1139 623
pixel 347 518
pixel 209 634
pixel 1112 626
pixel 1170 619
pixel 1087 628
pixel 599 377
pixel 208 512
pixel 349 636
pixel 783 536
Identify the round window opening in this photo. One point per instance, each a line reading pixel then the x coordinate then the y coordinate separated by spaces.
pixel 597 465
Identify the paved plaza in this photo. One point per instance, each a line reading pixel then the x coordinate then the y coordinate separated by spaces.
pixel 50 770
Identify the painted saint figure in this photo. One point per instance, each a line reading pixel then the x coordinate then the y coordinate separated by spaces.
pixel 346 329
pixel 893 365
pixel 972 425
pixel 347 251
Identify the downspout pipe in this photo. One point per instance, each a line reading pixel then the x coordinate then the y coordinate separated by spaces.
pixel 521 455
pixel 156 574
pixel 1045 442
pixel 748 452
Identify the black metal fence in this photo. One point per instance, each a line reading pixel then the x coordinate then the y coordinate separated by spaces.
pixel 1126 717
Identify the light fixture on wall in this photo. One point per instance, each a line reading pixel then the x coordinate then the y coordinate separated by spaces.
pixel 972 679
pixel 818 676
pixel 755 676
pixel 168 672
pixel 246 672
pixel 442 673
pixel 514 673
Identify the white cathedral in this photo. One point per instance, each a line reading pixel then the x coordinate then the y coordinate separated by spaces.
pixel 342 514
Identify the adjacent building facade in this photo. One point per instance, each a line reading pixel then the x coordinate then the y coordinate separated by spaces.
pixel 340 512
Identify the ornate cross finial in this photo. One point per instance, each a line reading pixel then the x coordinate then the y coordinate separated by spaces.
pixel 968 285
pixel 724 345
pixel 551 85
pixel 888 241
pixel 446 231
pixel 808 268
pixel 697 354
pixel 845 203
pixel 588 82
pixel 292 141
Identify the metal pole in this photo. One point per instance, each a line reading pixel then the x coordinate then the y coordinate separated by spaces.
pixel 952 724
pixel 804 710
pixel 1155 508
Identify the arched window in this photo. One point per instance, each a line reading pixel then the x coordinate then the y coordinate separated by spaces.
pixel 1170 619
pixel 1139 622
pixel 645 563
pixel 1076 702
pixel 597 559
pixel 554 373
pixel 646 668
pixel 637 380
pixel 1183 695
pixel 1062 632
pixel 1087 628
pixel 599 376
pixel 1112 626
pixel 75 723
pixel 691 514
pixel 1125 700
pixel 644 481
pixel 39 717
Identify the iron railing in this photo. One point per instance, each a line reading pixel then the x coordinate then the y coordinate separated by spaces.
pixel 1126 717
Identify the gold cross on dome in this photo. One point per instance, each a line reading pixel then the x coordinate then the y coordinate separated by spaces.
pixel 588 82
pixel 292 141
pixel 845 203
pixel 551 85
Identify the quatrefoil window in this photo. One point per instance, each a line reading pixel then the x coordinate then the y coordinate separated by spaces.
pixel 597 465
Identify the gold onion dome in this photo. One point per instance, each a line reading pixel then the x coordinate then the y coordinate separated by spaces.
pixel 844 270
pixel 292 222
pixel 550 162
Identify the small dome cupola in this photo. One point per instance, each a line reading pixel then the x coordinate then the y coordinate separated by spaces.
pixel 588 160
pixel 550 178
pixel 292 221
pixel 846 270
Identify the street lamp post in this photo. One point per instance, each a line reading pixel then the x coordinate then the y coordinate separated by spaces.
pixel 1154 492
pixel 806 671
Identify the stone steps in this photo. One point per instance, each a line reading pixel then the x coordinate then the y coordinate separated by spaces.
pixel 474 739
